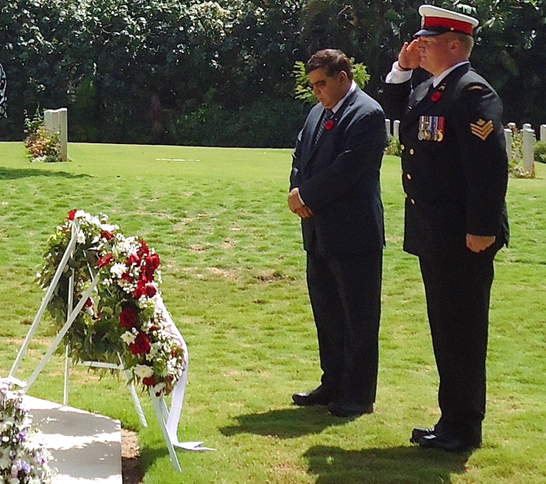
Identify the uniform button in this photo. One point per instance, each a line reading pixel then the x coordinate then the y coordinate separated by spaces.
pixel 405 195
pixel 402 147
pixel 412 201
pixel 411 151
pixel 408 176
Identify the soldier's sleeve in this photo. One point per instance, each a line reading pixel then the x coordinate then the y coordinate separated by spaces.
pixel 394 99
pixel 483 156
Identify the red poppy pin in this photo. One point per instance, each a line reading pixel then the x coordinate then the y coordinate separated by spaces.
pixel 436 95
pixel 329 125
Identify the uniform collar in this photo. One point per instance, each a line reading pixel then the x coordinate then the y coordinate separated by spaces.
pixel 437 80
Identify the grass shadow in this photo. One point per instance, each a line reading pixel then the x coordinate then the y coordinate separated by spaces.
pixel 396 465
pixel 16 173
pixel 285 423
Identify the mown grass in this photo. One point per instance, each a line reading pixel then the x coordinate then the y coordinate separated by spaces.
pixel 233 272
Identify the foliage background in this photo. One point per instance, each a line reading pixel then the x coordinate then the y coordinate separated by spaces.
pixel 219 73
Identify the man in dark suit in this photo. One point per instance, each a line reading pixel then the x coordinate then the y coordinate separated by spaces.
pixel 455 172
pixel 334 189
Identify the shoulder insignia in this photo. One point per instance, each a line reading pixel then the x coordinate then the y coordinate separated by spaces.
pixel 475 87
pixel 482 129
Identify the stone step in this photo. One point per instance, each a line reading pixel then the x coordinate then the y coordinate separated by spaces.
pixel 86 448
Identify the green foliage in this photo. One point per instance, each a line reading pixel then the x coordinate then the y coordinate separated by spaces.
pixel 394 147
pixel 212 124
pixel 304 92
pixel 540 151
pixel 40 143
pixel 130 70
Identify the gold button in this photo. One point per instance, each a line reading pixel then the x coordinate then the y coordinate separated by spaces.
pixel 402 147
pixel 412 201
pixel 408 176
pixel 405 195
pixel 412 151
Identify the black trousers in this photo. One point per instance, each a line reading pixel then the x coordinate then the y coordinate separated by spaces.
pixel 345 296
pixel 458 294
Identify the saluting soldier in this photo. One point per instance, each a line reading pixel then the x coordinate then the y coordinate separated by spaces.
pixel 455 173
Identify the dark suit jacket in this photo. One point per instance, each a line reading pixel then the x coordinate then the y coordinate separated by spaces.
pixel 454 162
pixel 338 178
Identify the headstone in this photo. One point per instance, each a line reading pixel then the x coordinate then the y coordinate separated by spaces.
pixel 388 126
pixel 543 132
pixel 528 150
pixel 396 129
pixel 56 121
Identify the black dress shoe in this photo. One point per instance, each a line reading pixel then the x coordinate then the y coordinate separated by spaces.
pixel 448 443
pixel 318 396
pixel 417 434
pixel 347 410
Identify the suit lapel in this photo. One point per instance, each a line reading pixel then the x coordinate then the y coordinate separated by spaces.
pixel 351 98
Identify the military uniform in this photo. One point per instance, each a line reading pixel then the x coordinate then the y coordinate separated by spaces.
pixel 454 173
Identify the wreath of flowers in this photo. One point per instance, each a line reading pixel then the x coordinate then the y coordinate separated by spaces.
pixel 21 460
pixel 124 319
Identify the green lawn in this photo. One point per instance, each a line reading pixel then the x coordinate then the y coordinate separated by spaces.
pixel 233 280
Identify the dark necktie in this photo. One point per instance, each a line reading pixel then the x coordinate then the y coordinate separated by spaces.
pixel 328 114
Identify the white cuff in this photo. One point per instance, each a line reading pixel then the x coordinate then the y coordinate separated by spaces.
pixel 398 75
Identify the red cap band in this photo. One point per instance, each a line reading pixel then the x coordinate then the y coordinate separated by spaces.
pixel 450 24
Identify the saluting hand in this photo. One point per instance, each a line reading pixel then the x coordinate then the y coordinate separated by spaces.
pixel 409 57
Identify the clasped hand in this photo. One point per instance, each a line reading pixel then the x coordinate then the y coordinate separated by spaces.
pixel 295 205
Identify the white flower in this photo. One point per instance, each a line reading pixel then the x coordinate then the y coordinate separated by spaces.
pixel 143 371
pixel 81 237
pixel 118 269
pixel 128 338
pixel 109 227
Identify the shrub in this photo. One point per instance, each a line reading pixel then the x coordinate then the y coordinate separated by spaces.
pixel 540 151
pixel 393 147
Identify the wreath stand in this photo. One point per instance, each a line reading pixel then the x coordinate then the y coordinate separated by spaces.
pixel 168 419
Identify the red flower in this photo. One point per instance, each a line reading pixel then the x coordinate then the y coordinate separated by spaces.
pixel 143 288
pixel 106 234
pixel 436 95
pixel 152 261
pixel 127 277
pixel 128 317
pixel 132 259
pixel 329 125
pixel 105 260
pixel 150 290
pixel 140 289
pixel 71 214
pixel 149 381
pixel 143 249
pixel 151 264
pixel 88 303
pixel 141 345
